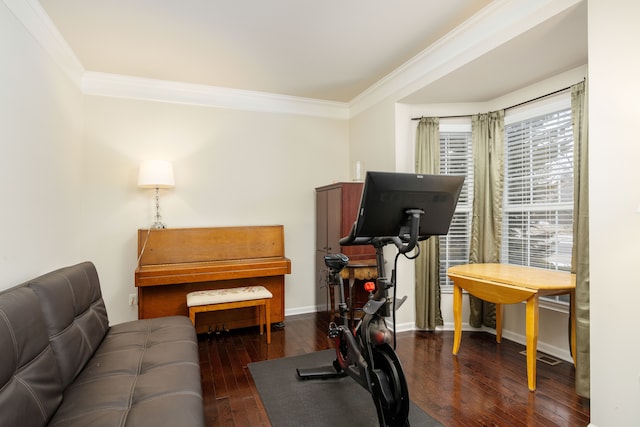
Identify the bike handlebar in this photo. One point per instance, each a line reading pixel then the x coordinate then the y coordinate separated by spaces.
pixel 404 242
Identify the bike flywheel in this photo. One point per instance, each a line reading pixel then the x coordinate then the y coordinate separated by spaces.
pixel 390 391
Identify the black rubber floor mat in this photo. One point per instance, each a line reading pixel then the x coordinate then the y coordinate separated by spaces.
pixel 335 402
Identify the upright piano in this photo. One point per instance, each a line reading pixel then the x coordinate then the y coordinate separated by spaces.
pixel 176 261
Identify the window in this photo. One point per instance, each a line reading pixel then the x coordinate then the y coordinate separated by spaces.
pixel 456 158
pixel 538 191
pixel 538 188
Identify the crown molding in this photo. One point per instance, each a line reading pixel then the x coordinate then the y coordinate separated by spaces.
pixel 494 25
pixel 33 17
pixel 102 84
pixel 36 21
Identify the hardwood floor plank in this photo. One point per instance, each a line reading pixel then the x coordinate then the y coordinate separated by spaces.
pixel 485 385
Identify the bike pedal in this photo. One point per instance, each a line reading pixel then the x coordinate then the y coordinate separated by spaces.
pixel 333 330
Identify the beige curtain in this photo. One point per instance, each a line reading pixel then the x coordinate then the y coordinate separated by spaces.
pixel 580 255
pixel 428 314
pixel 486 227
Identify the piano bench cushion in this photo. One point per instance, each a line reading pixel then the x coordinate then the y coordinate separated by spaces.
pixel 220 296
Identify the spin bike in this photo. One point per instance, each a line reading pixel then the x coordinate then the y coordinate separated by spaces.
pixel 367 353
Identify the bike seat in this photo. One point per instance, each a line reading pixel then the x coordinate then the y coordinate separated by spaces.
pixel 336 262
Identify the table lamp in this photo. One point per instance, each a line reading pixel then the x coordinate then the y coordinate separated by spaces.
pixel 156 174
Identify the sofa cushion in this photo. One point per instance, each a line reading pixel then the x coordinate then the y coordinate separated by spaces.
pixel 145 373
pixel 76 318
pixel 30 386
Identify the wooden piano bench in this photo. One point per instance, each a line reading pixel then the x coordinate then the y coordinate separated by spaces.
pixel 227 299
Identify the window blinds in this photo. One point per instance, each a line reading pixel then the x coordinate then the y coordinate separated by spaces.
pixel 538 200
pixel 456 158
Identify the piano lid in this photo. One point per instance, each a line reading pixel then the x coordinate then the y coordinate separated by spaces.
pixel 182 245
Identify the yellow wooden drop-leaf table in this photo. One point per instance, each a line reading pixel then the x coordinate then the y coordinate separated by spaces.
pixel 510 284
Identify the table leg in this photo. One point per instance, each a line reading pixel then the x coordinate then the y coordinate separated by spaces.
pixel 261 318
pixel 457 317
pixel 532 340
pixel 267 316
pixel 498 322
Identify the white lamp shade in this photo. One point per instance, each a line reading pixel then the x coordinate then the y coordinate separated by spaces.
pixel 155 174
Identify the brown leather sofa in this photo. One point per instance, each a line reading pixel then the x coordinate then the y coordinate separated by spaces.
pixel 61 364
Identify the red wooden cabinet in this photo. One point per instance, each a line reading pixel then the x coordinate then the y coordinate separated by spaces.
pixel 336 210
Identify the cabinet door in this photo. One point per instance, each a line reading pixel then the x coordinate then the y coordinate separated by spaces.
pixel 334 219
pixel 336 211
pixel 351 194
pixel 350 203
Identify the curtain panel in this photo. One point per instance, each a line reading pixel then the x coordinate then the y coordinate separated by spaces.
pixel 580 252
pixel 486 226
pixel 427 265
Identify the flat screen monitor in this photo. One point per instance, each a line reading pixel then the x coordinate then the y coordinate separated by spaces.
pixel 387 196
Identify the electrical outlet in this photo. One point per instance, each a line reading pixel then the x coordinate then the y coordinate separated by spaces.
pixel 133 299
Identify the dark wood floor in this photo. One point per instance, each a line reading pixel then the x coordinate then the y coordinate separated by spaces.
pixel 485 385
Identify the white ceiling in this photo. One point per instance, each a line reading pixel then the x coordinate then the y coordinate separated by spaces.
pixel 333 50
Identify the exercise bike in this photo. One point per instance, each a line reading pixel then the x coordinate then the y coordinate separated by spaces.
pixel 367 353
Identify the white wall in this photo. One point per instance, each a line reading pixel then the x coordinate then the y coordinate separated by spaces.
pixel 231 168
pixel 614 102
pixel 374 130
pixel 40 153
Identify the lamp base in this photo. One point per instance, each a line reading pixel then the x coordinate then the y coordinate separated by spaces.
pixel 157 223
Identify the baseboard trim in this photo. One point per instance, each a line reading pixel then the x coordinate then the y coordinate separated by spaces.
pixel 301 310
pixel 543 347
pixel 517 338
